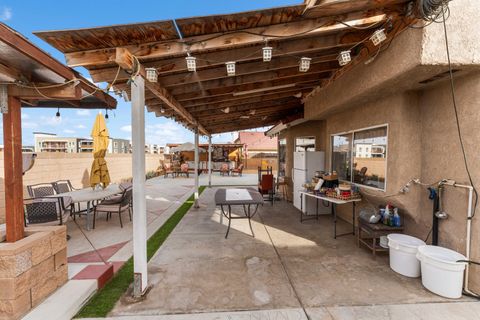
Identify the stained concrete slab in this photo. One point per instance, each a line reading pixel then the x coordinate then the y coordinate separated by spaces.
pixel 286 265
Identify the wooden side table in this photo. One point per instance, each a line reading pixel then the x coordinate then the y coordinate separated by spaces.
pixel 369 234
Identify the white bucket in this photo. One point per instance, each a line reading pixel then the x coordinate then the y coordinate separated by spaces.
pixel 403 254
pixel 441 273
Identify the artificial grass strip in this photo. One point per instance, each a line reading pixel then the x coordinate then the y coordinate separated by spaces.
pixel 104 300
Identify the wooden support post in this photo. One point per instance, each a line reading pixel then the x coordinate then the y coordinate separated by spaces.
pixel 139 203
pixel 197 158
pixel 13 162
pixel 209 161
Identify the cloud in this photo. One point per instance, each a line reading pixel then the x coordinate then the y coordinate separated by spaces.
pixel 167 132
pixel 51 121
pixel 127 128
pixel 69 131
pixel 80 126
pixel 83 113
pixel 5 14
pixel 25 116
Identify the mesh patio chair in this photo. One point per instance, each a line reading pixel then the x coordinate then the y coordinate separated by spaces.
pixel 62 186
pixel 184 170
pixel 41 190
pixel 238 171
pixel 109 206
pixel 45 211
pixel 224 170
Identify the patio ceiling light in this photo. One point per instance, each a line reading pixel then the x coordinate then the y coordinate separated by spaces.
pixel 191 63
pixel 244 117
pixel 284 86
pixel 344 58
pixel 304 64
pixel 230 68
pixel 57 115
pixel 162 110
pixel 378 37
pixel 151 74
pixel 267 54
pixel 226 110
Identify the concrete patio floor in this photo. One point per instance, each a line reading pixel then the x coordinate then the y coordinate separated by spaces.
pixel 288 271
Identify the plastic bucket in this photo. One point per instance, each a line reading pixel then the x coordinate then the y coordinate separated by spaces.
pixel 441 273
pixel 403 254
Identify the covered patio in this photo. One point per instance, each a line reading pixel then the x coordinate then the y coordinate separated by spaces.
pixel 222 73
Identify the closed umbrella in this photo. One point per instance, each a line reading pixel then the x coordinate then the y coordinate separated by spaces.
pixel 99 173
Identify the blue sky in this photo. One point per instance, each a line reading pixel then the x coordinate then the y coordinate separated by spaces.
pixel 28 16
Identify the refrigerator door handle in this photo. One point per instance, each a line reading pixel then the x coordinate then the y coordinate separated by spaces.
pixel 293 176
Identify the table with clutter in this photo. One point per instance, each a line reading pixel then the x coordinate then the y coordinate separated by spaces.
pixel 325 187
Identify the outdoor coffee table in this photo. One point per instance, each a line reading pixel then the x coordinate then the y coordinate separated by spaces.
pixel 246 198
pixel 89 195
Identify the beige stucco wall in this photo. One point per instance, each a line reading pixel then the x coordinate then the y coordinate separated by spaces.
pixel 50 167
pixel 422 135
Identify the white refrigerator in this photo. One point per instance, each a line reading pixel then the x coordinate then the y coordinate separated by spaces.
pixel 305 164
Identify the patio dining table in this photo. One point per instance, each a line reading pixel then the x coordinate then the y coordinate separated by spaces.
pixel 89 195
pixel 246 198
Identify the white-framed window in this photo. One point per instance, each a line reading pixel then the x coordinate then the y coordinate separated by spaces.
pixel 360 156
pixel 304 144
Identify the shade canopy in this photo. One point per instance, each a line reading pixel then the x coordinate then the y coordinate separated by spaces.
pixel 256 91
pixel 99 173
pixel 188 146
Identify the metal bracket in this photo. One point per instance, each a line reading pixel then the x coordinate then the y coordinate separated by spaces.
pixel 3 98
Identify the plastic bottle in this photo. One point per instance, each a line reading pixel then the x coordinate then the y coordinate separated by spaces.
pixel 396 218
pixel 386 216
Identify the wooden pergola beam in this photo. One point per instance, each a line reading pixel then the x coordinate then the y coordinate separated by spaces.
pixel 258 111
pixel 63 92
pixel 205 111
pixel 22 45
pixel 126 61
pixel 260 97
pixel 239 89
pixel 299 29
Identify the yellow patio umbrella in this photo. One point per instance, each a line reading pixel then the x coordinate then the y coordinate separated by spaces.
pixel 99 173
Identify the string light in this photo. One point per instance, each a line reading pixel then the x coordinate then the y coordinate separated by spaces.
pixel 267 54
pixel 162 110
pixel 57 115
pixel 344 58
pixel 230 68
pixel 106 114
pixel 151 74
pixel 191 63
pixel 378 37
pixel 304 64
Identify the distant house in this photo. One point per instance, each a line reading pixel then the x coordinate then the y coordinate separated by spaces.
pixel 258 145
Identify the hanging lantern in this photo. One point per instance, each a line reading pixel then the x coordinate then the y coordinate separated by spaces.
pixel 191 63
pixel 230 68
pixel 304 64
pixel 151 74
pixel 344 58
pixel 267 54
pixel 378 37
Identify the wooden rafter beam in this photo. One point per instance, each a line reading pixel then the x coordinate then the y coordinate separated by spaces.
pixel 126 61
pixel 237 90
pixel 21 44
pixel 205 111
pixel 70 91
pixel 253 98
pixel 254 110
pixel 299 29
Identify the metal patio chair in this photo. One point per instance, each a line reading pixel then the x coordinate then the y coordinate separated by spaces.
pixel 45 211
pixel 111 206
pixel 41 190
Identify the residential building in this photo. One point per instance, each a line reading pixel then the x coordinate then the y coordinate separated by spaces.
pixel 119 146
pixel 259 149
pixel 50 142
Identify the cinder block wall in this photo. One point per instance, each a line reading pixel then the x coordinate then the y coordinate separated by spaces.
pixel 50 167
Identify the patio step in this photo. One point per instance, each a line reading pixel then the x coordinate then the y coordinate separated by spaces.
pixel 102 273
pixel 65 302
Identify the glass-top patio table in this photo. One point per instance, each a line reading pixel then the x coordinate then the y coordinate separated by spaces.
pixel 89 195
pixel 238 197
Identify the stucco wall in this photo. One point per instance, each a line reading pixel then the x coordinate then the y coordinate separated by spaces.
pixel 50 167
pixel 310 128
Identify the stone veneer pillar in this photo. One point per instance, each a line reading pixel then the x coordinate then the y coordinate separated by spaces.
pixel 31 269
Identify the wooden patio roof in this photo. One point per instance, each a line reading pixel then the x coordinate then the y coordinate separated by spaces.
pixel 39 80
pixel 261 93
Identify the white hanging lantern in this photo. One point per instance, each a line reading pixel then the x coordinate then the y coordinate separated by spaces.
pixel 151 74
pixel 378 37
pixel 191 63
pixel 230 68
pixel 304 64
pixel 344 58
pixel 267 54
